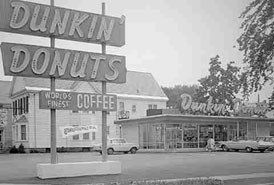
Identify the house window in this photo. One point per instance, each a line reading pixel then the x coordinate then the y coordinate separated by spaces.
pixel 23 132
pixel 93 135
pixel 85 111
pixel 133 108
pixel 75 137
pixel 75 111
pixel 86 136
pixel 1 133
pixel 27 104
pixel 152 106
pixel 24 105
pixel 14 108
pixel 19 107
pixel 16 132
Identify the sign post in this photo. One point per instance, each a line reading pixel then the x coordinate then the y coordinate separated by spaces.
pixel 52 111
pixel 104 112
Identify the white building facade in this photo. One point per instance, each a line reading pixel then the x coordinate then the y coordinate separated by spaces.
pixel 31 125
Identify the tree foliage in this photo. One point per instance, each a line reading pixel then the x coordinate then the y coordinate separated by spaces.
pixel 271 102
pixel 257 43
pixel 221 84
pixel 173 93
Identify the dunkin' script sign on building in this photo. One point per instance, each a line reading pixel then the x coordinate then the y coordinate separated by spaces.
pixel 210 107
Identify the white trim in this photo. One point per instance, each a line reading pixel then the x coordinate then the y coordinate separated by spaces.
pixel 44 89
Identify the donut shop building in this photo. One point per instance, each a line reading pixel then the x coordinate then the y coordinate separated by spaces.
pixel 169 129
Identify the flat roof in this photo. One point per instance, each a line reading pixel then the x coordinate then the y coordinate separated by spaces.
pixel 191 118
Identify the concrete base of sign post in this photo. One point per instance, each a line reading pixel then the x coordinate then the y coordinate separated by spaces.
pixel 47 171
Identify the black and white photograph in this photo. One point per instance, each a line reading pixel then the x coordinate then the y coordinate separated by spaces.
pixel 147 92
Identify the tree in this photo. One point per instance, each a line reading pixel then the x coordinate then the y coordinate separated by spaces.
pixel 257 42
pixel 221 84
pixel 271 102
pixel 174 93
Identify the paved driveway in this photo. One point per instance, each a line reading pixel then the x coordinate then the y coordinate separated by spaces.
pixel 21 168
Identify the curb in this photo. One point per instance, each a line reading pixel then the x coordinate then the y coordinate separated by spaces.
pixel 244 176
pixel 220 178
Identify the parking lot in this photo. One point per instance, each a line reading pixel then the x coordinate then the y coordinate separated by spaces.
pixel 21 168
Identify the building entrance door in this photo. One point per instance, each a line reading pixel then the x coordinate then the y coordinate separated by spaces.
pixel 173 138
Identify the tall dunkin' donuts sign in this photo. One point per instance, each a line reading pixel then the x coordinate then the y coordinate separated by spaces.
pixel 43 20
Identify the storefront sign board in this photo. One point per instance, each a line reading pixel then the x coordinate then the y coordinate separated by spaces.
pixel 44 20
pixel 45 62
pixel 75 130
pixel 209 107
pixel 62 100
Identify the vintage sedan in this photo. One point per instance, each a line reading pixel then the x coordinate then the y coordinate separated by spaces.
pixel 267 140
pixel 117 145
pixel 247 145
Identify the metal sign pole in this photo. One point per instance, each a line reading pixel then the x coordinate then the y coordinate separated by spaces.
pixel 104 112
pixel 52 111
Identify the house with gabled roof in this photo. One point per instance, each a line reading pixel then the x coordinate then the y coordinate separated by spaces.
pixel 31 125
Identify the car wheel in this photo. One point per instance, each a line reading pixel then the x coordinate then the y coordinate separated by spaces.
pixel 236 150
pixel 100 152
pixel 126 152
pixel 110 151
pixel 133 150
pixel 248 149
pixel 262 150
pixel 225 148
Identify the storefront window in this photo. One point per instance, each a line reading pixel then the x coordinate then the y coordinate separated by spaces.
pixel 190 135
pixel 174 136
pixel 206 132
pixel 243 131
pixel 251 133
pixel 232 131
pixel 151 136
pixel 271 129
pixel 220 132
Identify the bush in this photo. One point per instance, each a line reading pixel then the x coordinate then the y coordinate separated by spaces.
pixel 13 150
pixel 21 148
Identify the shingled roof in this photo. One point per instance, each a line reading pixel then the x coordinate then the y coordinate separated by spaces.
pixel 138 83
pixel 4 92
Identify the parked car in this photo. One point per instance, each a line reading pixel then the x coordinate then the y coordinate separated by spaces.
pixel 268 141
pixel 117 145
pixel 247 145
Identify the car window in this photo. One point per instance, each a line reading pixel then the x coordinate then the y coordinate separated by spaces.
pixel 122 141
pixel 115 141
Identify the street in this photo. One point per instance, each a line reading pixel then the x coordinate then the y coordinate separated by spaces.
pixel 21 168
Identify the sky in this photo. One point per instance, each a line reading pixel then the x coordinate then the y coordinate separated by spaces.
pixel 171 39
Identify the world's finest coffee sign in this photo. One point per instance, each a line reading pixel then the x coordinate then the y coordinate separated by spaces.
pixel 61 100
pixel 43 20
pixel 45 62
